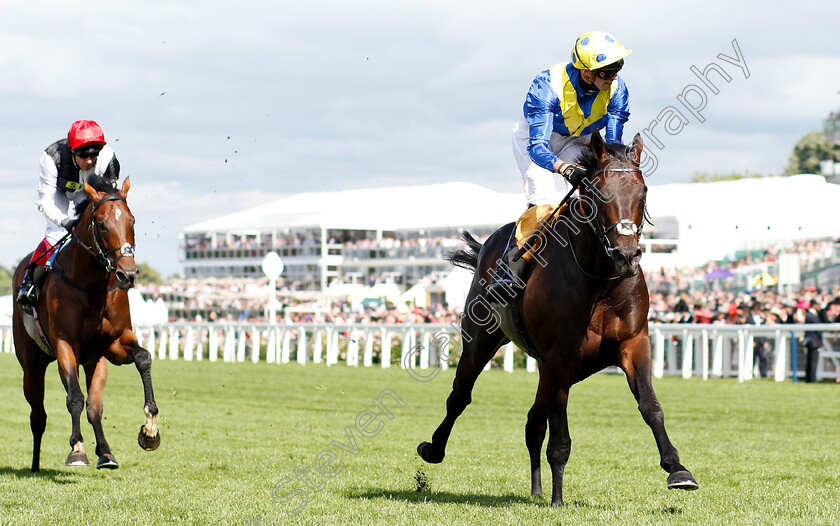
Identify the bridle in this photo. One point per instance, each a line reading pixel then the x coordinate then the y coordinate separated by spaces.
pixel 101 255
pixel 624 227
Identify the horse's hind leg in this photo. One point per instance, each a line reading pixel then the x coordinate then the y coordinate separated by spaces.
pixel 636 364
pixel 559 445
pixel 481 340
pixel 34 366
pixel 96 374
pixel 534 436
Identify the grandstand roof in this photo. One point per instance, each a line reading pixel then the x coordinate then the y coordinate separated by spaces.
pixel 799 206
pixel 394 208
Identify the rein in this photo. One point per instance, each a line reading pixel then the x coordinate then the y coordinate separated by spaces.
pixel 99 254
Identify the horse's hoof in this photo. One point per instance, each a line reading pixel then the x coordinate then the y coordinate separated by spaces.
pixel 107 461
pixel 425 452
pixel 682 480
pixel 77 458
pixel 148 443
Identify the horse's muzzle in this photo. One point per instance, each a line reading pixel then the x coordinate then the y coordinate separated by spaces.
pixel 126 278
pixel 626 260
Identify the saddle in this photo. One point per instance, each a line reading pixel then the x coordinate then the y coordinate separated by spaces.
pixel 31 321
pixel 509 315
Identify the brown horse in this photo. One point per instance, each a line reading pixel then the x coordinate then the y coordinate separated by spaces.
pixel 83 313
pixel 584 308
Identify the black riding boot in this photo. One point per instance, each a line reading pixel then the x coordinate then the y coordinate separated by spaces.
pixel 508 282
pixel 26 291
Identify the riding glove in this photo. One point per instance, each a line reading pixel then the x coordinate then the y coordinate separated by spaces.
pixel 574 174
pixel 68 223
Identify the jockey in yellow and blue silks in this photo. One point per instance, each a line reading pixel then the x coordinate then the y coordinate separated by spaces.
pixel 564 105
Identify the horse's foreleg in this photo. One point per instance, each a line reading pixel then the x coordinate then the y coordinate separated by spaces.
pixel 96 374
pixel 559 445
pixel 475 355
pixel 68 369
pixel 636 363
pixel 534 436
pixel 149 435
pixel 126 350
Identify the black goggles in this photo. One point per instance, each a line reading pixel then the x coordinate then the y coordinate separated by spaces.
pixel 609 71
pixel 87 152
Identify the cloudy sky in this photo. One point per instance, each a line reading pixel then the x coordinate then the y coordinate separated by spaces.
pixel 215 106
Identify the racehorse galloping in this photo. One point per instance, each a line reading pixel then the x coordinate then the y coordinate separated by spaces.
pixel 84 316
pixel 584 307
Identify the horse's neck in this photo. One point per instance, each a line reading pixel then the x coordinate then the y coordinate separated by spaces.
pixel 81 267
pixel 588 251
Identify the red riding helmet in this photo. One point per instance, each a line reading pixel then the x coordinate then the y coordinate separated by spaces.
pixel 84 133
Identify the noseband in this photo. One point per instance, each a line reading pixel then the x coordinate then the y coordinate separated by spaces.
pixel 99 254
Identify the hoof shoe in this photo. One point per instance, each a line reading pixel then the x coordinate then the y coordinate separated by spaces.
pixel 426 453
pixel 77 458
pixel 682 480
pixel 107 461
pixel 148 443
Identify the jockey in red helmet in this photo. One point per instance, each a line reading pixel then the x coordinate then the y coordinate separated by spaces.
pixel 564 105
pixel 65 166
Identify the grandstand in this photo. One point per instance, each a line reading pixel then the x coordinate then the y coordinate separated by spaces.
pixel 354 236
pixel 400 234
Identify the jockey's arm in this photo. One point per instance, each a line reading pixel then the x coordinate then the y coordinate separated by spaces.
pixel 618 112
pixel 539 108
pixel 47 190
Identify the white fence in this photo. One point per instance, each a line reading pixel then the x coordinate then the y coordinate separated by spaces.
pixel 688 350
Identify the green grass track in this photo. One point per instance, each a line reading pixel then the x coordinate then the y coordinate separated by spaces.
pixel 233 433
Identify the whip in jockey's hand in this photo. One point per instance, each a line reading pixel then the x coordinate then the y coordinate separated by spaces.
pixel 564 105
pixel 65 166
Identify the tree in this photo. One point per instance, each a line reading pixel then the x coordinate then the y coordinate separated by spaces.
pixel 5 280
pixel 705 177
pixel 148 275
pixel 808 152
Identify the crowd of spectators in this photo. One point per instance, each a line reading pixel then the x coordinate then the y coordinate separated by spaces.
pixel 717 292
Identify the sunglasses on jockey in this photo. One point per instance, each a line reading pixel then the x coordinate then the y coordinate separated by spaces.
pixel 610 71
pixel 86 152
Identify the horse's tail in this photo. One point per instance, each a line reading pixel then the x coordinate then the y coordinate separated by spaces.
pixel 468 256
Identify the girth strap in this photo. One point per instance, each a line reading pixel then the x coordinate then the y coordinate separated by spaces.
pixel 519 325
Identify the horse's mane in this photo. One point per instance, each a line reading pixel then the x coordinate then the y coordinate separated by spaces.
pixel 100 183
pixel 587 159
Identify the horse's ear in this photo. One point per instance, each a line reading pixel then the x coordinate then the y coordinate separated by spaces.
pixel 92 193
pixel 596 144
pixel 636 154
pixel 126 185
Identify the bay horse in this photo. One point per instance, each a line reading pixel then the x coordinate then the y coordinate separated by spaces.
pixel 83 314
pixel 584 308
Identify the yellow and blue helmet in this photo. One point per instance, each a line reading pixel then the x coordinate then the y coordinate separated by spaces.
pixel 597 49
